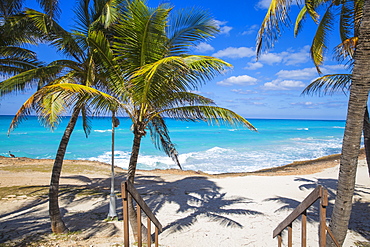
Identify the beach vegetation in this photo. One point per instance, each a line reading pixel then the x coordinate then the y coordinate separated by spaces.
pixel 152 49
pixel 354 17
pixel 64 84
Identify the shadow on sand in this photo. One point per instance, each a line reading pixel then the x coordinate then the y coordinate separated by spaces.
pixel 84 208
pixel 360 216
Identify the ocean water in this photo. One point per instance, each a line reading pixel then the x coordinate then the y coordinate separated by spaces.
pixel 210 149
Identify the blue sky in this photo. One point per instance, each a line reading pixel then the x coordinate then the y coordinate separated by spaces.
pixel 268 88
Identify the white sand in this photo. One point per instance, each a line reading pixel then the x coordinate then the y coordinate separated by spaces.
pixel 196 211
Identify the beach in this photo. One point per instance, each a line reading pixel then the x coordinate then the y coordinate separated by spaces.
pixel 194 208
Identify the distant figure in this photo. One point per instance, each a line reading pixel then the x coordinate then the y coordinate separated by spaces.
pixel 11 155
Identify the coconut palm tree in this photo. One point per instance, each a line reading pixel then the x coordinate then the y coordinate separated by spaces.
pixel 67 84
pixel 11 7
pixel 360 86
pixel 151 49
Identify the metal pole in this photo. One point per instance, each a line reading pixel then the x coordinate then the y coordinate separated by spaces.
pixel 112 201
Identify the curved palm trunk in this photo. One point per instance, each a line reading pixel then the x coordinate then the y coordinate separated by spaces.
pixel 366 131
pixel 352 136
pixel 138 135
pixel 57 224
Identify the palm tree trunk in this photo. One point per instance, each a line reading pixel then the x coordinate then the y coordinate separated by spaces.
pixel 366 131
pixel 352 135
pixel 57 224
pixel 138 135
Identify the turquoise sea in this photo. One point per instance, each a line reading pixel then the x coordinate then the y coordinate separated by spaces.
pixel 211 149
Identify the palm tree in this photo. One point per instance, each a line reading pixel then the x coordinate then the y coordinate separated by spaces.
pixel 151 51
pixel 11 7
pixel 358 91
pixel 66 84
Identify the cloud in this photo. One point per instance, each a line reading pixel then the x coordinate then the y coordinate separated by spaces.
pixel 240 91
pixel 298 74
pixel 251 30
pixel 204 47
pixel 263 4
pixel 271 58
pixel 253 66
pixel 279 84
pixel 242 80
pixel 289 57
pixel 221 25
pixel 234 52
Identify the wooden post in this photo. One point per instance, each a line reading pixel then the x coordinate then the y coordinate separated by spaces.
pixel 304 229
pixel 290 235
pixel 149 224
pixel 125 214
pixel 280 240
pixel 139 235
pixel 156 237
pixel 322 226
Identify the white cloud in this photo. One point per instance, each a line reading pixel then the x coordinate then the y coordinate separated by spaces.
pixel 302 56
pixel 204 47
pixel 271 58
pixel 234 52
pixel 279 84
pixel 221 25
pixel 253 66
pixel 242 80
pixel 251 30
pixel 298 74
pixel 289 57
pixel 263 4
pixel 240 91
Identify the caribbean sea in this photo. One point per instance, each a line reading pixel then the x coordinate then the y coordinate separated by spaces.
pixel 211 149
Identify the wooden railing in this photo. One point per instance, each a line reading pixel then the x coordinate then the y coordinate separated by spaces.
pixel 126 188
pixel 319 193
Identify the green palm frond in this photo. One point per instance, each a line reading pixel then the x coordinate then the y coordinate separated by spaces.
pixel 329 84
pixel 86 122
pixel 271 27
pixel 320 40
pixel 51 7
pixel 187 27
pixel 160 137
pixel 210 114
pixel 56 35
pixel 28 79
pixel 347 20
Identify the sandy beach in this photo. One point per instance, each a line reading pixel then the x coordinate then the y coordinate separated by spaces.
pixel 195 209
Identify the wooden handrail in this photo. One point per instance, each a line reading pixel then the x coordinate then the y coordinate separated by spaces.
pixel 126 188
pixel 318 193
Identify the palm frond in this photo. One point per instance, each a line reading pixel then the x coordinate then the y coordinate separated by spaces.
pixel 320 40
pixel 28 79
pixel 161 138
pixel 329 84
pixel 210 114
pixel 271 27
pixel 188 27
pixel 86 122
pixel 347 20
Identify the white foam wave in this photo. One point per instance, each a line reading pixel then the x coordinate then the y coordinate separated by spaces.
pixel 302 128
pixel 103 131
pixel 238 159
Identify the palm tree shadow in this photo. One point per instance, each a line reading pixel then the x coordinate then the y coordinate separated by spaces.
pixel 360 219
pixel 195 197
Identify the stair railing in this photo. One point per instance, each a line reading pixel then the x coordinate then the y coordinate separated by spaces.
pixel 127 187
pixel 301 210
